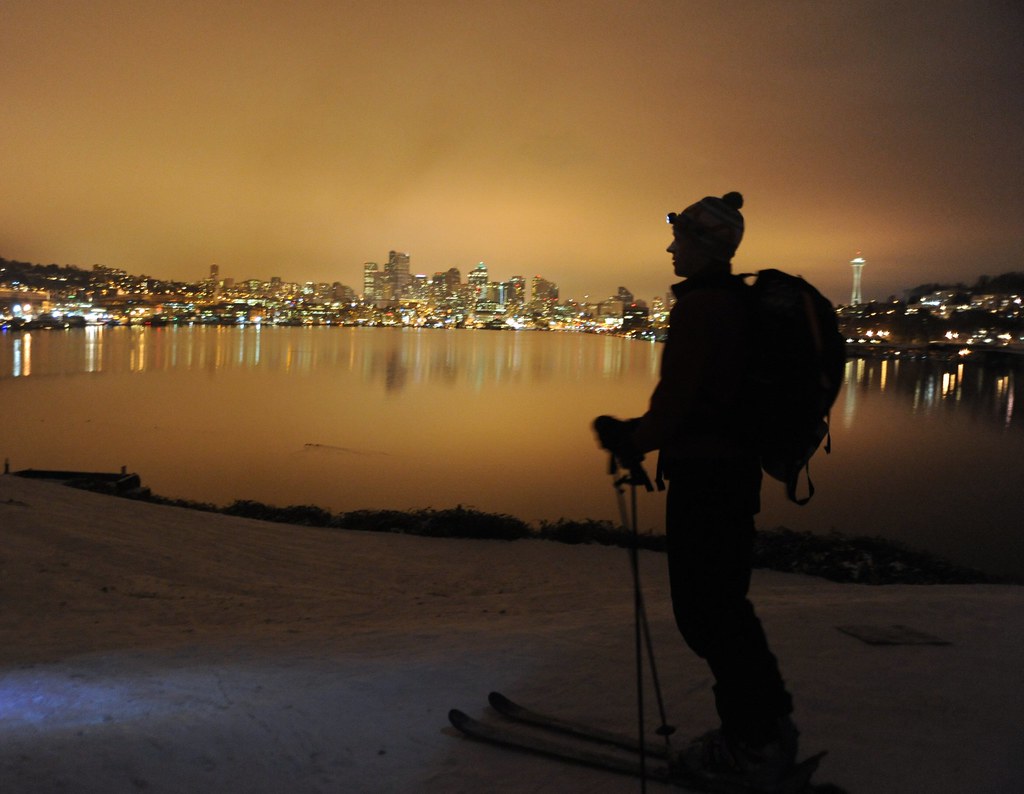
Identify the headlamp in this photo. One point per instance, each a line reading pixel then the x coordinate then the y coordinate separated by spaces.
pixel 681 222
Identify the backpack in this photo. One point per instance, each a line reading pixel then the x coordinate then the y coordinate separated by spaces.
pixel 798 369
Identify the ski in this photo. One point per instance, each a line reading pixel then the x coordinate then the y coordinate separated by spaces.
pixel 514 711
pixel 561 751
pixel 612 760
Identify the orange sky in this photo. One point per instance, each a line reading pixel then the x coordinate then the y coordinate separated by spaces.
pixel 301 139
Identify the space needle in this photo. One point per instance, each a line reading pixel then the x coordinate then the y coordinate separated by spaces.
pixel 857 263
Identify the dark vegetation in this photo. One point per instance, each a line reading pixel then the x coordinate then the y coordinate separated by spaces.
pixel 865 560
pixel 42 276
pixel 1004 284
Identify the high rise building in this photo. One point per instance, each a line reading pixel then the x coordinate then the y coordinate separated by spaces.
pixel 517 290
pixel 339 292
pixel 372 291
pixel 544 290
pixel 634 317
pixel 452 280
pixel 396 276
pixel 857 263
pixel 419 287
pixel 478 281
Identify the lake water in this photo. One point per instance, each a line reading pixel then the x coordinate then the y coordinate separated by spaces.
pixel 928 453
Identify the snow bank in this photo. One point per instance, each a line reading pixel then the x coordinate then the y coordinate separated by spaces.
pixel 152 648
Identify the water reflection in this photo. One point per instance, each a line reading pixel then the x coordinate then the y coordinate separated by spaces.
pixel 373 418
pixel 395 358
pixel 985 390
pixel 399 359
pixel 21 356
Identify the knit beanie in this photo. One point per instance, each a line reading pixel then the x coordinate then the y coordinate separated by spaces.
pixel 714 221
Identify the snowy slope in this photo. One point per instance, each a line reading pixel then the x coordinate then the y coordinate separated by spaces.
pixel 150 648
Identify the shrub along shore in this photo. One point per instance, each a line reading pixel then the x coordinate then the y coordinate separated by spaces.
pixel 836 557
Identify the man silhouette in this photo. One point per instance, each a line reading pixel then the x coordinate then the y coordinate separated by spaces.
pixel 698 418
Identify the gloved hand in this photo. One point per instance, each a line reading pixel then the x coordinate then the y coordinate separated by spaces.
pixel 616 436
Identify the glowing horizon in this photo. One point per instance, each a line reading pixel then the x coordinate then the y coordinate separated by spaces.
pixel 302 140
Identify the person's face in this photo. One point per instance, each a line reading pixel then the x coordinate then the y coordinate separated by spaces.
pixel 689 256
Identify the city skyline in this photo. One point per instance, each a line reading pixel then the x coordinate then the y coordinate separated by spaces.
pixel 370 285
pixel 522 284
pixel 291 139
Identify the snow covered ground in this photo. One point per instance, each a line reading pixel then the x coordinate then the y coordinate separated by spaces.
pixel 158 649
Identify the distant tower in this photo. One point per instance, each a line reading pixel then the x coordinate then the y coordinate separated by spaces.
pixel 397 279
pixel 452 280
pixel 214 272
pixel 479 280
pixel 544 290
pixel 371 283
pixel 857 263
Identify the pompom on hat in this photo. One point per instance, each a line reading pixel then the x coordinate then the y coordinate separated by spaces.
pixel 712 220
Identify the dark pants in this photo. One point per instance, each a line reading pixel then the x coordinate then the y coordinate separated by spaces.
pixel 710 528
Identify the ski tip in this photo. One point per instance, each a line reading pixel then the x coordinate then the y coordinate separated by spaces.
pixel 498 700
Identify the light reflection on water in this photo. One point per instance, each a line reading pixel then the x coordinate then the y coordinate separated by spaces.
pixel 929 386
pixel 399 357
pixel 926 452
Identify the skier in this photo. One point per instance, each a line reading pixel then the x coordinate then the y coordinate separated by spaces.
pixel 697 419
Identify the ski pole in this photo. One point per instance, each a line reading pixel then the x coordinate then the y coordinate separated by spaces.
pixel 638 621
pixel 637 476
pixel 640 476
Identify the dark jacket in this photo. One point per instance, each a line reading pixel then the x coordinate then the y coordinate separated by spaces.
pixel 698 409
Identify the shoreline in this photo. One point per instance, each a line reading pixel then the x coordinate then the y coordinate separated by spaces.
pixel 835 557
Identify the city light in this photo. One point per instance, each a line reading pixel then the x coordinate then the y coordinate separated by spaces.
pixel 990 315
